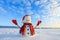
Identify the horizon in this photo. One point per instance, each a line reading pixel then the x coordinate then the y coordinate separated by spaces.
pixel 48 11
pixel 34 27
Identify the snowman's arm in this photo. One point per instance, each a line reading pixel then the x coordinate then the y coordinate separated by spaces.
pixel 38 23
pixel 18 26
pixel 15 22
pixel 36 27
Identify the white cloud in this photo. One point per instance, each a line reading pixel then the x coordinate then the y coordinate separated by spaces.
pixel 30 12
pixel 43 1
pixel 27 3
pixel 52 9
pixel 52 13
pixel 29 8
pixel 40 2
pixel 54 4
pixel 2 10
pixel 56 11
pixel 13 8
pixel 37 2
pixel 37 16
pixel 32 1
pixel 51 5
pixel 20 10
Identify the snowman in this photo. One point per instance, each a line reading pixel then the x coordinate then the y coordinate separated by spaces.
pixel 27 28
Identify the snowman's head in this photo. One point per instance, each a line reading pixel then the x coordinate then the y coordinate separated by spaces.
pixel 26 19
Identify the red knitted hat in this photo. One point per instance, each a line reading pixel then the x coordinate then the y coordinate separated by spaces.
pixel 24 17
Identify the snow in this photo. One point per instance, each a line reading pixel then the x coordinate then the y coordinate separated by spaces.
pixel 41 34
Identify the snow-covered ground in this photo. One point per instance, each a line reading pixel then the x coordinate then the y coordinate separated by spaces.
pixel 41 34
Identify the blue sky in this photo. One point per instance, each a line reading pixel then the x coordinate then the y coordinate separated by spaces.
pixel 46 10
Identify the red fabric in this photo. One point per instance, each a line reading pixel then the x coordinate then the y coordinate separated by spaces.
pixel 23 29
pixel 24 17
pixel 15 22
pixel 38 23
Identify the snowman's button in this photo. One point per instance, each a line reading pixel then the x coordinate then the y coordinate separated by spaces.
pixel 27 29
pixel 27 33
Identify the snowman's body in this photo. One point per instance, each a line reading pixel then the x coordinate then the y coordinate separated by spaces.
pixel 27 30
pixel 27 20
